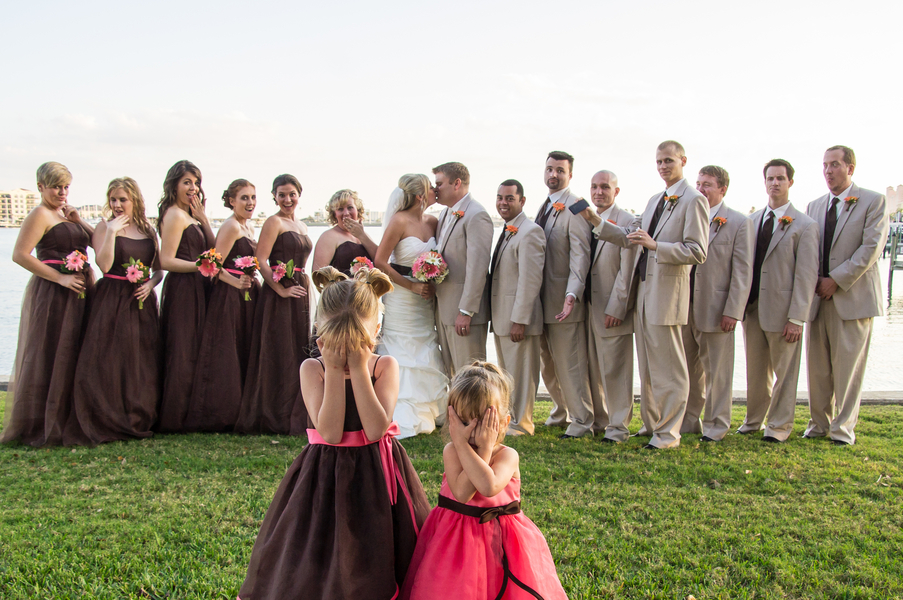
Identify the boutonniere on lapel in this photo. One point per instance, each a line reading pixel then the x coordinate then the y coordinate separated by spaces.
pixel 785 221
pixel 512 231
pixel 718 221
pixel 612 221
pixel 672 201
pixel 458 214
pixel 850 201
pixel 558 206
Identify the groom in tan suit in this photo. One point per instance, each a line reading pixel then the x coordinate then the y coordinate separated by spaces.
pixel 718 294
pixel 563 343
pixel 852 224
pixel 515 281
pixel 673 233
pixel 785 272
pixel 464 238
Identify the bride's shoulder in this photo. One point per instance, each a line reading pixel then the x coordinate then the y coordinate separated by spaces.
pixel 433 220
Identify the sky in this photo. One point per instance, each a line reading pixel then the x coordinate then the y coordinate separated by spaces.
pixel 355 94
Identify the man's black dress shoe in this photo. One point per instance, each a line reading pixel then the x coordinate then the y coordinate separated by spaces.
pixel 840 443
pixel 651 447
pixel 771 440
pixel 608 441
pixel 745 432
pixel 706 438
pixel 565 436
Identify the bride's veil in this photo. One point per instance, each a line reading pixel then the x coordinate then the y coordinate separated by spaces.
pixel 395 199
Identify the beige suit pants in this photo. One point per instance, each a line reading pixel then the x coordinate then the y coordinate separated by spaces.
pixel 459 351
pixel 562 352
pixel 610 361
pixel 710 363
pixel 836 352
pixel 664 380
pixel 772 373
pixel 521 360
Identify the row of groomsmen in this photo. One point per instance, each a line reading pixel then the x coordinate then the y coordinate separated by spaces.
pixel 567 292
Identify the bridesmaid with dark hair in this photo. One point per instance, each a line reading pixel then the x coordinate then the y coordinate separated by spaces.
pixel 39 396
pixel 226 341
pixel 184 234
pixel 117 380
pixel 347 240
pixel 271 401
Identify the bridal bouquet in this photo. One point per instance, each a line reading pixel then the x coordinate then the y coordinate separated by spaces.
pixel 361 262
pixel 136 272
pixel 209 263
pixel 249 266
pixel 430 267
pixel 75 262
pixel 283 270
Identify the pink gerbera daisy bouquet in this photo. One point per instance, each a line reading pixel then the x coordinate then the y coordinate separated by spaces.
pixel 136 272
pixel 361 262
pixel 284 270
pixel 430 267
pixel 209 263
pixel 249 266
pixel 75 262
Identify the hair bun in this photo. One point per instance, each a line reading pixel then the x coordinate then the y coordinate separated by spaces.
pixel 326 276
pixel 376 279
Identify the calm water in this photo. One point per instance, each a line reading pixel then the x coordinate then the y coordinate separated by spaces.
pixel 883 373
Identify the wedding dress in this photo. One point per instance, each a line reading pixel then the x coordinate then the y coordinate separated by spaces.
pixel 409 335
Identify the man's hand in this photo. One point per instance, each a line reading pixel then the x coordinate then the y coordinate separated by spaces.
pixel 728 324
pixel 826 288
pixel 792 333
pixel 566 309
pixel 642 238
pixel 462 325
pixel 611 321
pixel 517 332
pixel 591 216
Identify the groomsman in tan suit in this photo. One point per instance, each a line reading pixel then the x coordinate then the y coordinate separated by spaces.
pixel 852 224
pixel 515 275
pixel 719 288
pixel 464 239
pixel 609 325
pixel 785 272
pixel 563 343
pixel 673 233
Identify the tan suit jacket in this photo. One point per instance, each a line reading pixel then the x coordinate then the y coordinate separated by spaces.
pixel 789 272
pixel 859 238
pixel 682 238
pixel 612 270
pixel 567 262
pixel 466 248
pixel 723 280
pixel 517 279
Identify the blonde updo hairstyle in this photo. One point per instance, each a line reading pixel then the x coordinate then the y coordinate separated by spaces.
pixel 139 213
pixel 478 386
pixel 413 185
pixel 52 174
pixel 348 307
pixel 341 198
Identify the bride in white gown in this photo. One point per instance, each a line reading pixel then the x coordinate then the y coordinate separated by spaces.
pixel 409 333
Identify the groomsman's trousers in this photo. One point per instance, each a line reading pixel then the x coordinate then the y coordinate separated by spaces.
pixel 521 360
pixel 461 350
pixel 710 363
pixel 772 374
pixel 562 352
pixel 836 352
pixel 610 381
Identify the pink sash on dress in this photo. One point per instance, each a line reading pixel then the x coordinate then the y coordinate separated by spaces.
pixel 119 277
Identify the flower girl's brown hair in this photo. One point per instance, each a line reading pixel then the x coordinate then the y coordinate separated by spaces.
pixel 349 306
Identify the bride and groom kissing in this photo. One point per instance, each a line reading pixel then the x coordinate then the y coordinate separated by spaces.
pixel 431 340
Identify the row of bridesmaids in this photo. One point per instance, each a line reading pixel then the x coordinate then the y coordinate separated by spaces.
pixel 97 363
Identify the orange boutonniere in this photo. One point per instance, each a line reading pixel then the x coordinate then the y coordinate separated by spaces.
pixel 558 206
pixel 458 214
pixel 785 221
pixel 672 201
pixel 512 231
pixel 612 222
pixel 850 201
pixel 718 221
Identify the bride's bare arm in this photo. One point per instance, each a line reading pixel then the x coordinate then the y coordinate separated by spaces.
pixel 391 237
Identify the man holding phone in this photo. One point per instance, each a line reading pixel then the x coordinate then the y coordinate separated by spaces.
pixel 563 361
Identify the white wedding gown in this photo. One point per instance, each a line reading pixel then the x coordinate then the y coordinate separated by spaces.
pixel 409 335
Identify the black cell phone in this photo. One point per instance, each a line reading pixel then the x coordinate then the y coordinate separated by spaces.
pixel 578 207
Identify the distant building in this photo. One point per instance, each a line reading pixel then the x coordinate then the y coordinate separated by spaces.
pixel 90 212
pixel 371 217
pixel 15 206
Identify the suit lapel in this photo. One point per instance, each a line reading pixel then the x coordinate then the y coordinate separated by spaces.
pixel 614 217
pixel 553 218
pixel 844 213
pixel 780 230
pixel 441 225
pixel 666 214
pixel 713 229
pixel 454 224
pixel 517 223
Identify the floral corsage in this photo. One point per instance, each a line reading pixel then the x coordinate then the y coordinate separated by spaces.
pixel 785 221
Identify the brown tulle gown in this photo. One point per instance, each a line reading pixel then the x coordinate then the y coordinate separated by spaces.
pixel 225 348
pixel 345 254
pixel 271 401
pixel 331 530
pixel 39 396
pixel 117 380
pixel 184 308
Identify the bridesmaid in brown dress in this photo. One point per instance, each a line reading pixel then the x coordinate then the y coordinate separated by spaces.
pixel 117 380
pixel 271 401
pixel 347 240
pixel 39 396
pixel 226 341
pixel 184 234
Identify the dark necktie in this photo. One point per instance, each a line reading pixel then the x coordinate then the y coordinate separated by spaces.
pixel 588 289
pixel 641 264
pixel 495 253
pixel 543 215
pixel 828 239
pixel 766 231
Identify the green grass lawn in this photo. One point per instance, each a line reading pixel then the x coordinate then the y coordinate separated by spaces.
pixel 175 516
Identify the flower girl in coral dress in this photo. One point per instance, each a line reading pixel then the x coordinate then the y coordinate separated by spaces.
pixel 477 543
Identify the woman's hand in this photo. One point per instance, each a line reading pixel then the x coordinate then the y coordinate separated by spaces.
pixel 117 225
pixel 74 281
pixel 296 291
pixel 197 211
pixel 70 213
pixel 333 358
pixel 460 433
pixel 144 290
pixel 487 433
pixel 424 290
pixel 245 282
pixel 353 227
